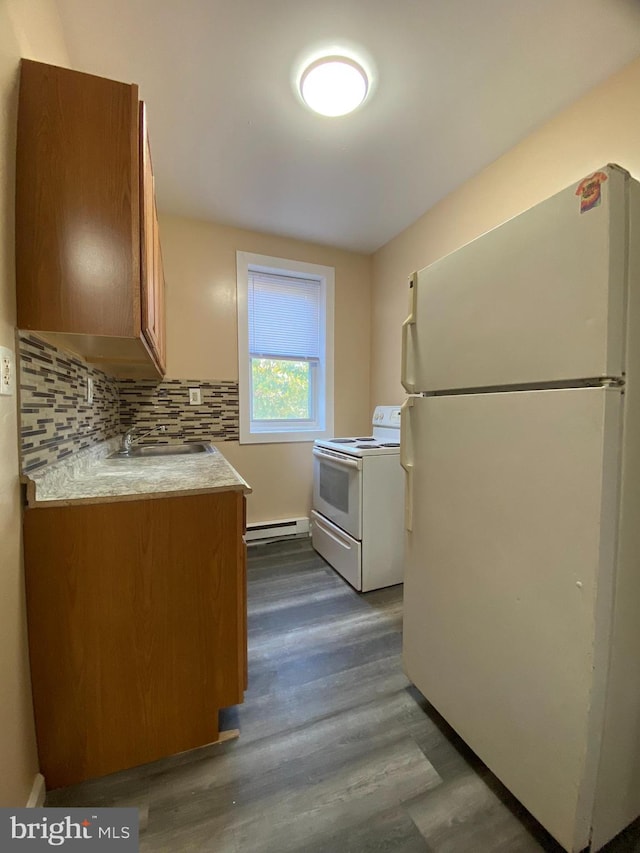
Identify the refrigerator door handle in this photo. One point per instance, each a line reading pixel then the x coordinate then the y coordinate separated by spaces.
pixel 406 459
pixel 406 377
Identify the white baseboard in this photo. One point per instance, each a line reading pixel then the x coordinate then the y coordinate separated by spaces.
pixel 38 793
pixel 280 529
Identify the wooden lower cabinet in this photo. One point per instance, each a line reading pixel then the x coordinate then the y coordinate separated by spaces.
pixel 137 628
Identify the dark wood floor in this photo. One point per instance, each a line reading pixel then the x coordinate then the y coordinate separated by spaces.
pixel 338 753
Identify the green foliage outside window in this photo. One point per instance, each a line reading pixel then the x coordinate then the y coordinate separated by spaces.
pixel 281 389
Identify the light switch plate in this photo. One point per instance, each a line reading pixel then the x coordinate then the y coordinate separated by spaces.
pixel 7 372
pixel 195 397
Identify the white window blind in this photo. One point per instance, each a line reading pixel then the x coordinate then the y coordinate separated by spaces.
pixel 284 316
pixel 285 349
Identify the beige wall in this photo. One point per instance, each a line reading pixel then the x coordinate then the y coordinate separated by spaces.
pixel 27 28
pixel 602 127
pixel 200 267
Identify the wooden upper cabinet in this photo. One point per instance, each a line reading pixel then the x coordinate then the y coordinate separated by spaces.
pixel 158 283
pixel 151 260
pixel 80 239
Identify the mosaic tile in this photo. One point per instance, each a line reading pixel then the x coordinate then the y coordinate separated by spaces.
pixel 147 404
pixel 53 383
pixel 56 421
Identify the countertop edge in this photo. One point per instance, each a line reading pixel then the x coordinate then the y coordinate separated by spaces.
pixel 93 458
pixel 139 496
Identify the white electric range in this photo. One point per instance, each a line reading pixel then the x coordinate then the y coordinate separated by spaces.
pixel 358 503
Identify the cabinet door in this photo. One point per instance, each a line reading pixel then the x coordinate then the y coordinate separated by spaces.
pixel 152 277
pixel 158 294
pixel 137 629
pixel 77 204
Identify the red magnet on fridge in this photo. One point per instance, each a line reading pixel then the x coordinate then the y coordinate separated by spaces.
pixel 590 192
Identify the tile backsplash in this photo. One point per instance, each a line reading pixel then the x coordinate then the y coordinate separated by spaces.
pixel 56 419
pixel 147 404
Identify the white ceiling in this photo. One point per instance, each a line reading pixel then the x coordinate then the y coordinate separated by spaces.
pixel 455 84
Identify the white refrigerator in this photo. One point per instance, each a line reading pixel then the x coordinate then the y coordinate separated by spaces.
pixel 521 447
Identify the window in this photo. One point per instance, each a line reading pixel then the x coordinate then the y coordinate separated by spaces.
pixel 285 349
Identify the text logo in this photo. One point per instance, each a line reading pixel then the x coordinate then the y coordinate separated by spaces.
pixel 36 830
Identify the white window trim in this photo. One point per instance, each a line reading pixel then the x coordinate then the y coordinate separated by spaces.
pixel 264 263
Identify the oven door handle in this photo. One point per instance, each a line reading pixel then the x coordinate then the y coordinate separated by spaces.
pixel 339 460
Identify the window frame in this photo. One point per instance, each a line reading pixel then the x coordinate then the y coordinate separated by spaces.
pixel 289 431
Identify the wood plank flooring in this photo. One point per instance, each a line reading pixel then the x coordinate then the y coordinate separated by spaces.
pixel 337 753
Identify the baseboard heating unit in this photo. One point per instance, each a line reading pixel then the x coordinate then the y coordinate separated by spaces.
pixel 280 529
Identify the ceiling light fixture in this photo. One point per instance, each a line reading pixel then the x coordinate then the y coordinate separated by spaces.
pixel 334 85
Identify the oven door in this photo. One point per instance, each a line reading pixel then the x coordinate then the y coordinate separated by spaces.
pixel 337 489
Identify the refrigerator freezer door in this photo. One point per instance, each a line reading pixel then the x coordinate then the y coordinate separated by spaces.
pixel 508 584
pixel 538 299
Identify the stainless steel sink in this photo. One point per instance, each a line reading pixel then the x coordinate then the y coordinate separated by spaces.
pixel 150 450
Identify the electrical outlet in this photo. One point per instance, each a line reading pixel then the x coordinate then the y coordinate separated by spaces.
pixel 195 397
pixel 89 391
pixel 7 371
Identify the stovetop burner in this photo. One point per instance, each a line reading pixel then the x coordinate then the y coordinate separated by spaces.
pixel 384 440
pixel 354 440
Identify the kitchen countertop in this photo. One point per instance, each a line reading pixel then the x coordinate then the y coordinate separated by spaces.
pixel 90 477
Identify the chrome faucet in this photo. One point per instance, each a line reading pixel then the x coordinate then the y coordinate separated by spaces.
pixel 132 435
